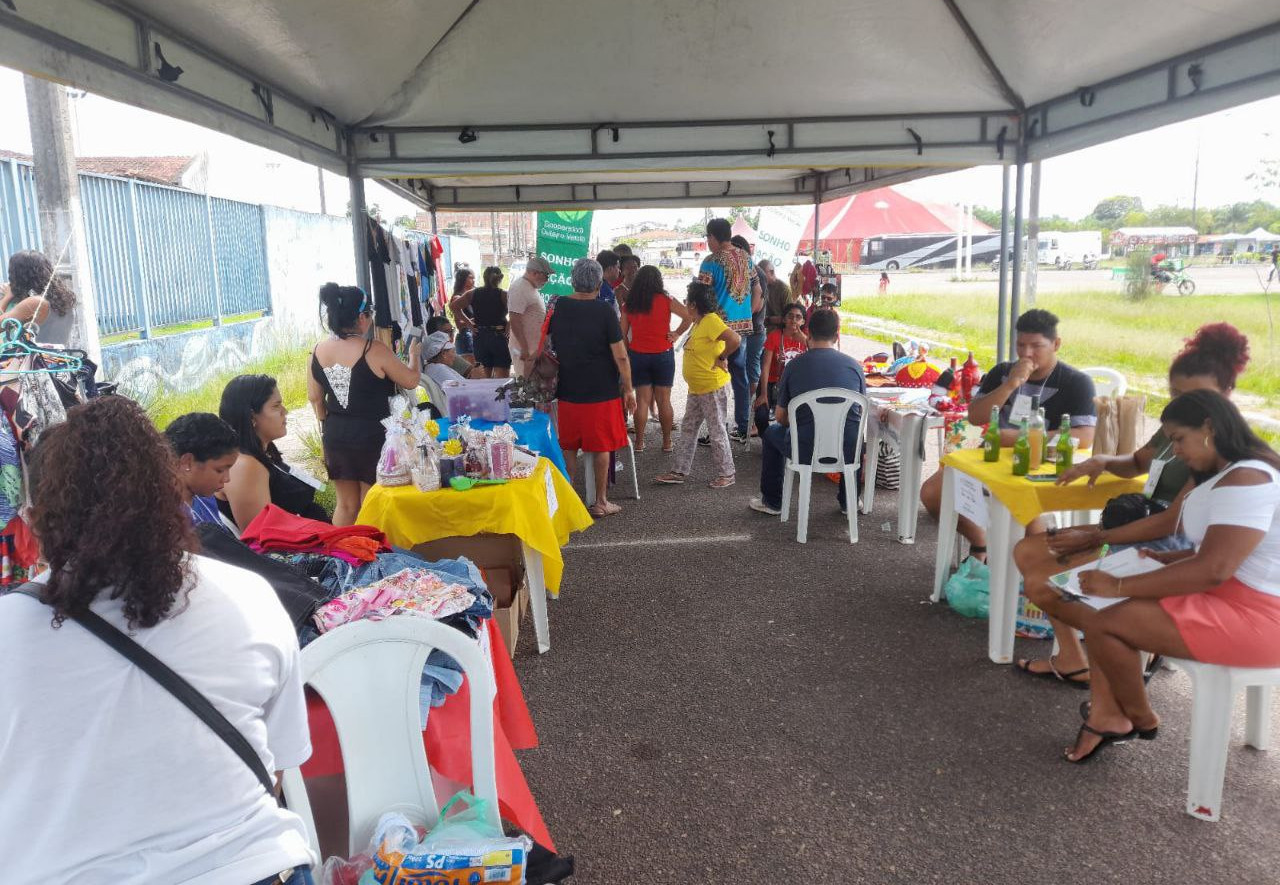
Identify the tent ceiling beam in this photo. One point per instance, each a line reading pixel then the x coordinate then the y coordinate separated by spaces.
pixel 1231 72
pixel 135 59
pixel 1009 93
pixel 678 193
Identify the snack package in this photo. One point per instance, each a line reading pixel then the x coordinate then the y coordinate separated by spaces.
pixel 396 461
pixel 464 848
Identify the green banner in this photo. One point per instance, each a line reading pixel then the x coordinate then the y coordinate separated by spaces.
pixel 563 238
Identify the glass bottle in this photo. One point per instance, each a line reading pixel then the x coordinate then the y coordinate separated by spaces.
pixel 1036 433
pixel 970 375
pixel 953 390
pixel 1022 451
pixel 991 439
pixel 1066 446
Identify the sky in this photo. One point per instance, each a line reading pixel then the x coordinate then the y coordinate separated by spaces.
pixel 1158 166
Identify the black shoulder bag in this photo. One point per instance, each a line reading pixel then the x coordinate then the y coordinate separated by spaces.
pixel 158 670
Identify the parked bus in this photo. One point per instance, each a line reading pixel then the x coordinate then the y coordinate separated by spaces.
pixel 928 251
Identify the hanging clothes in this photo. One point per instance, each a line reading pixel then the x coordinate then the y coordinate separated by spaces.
pixel 378 259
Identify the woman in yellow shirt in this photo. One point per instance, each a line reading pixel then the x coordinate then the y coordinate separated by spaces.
pixel 706 371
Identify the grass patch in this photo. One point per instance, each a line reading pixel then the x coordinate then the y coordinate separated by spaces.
pixel 287 365
pixel 1098 329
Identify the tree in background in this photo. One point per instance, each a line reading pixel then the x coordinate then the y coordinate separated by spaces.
pixel 1112 211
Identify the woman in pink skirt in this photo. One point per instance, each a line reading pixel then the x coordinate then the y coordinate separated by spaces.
pixel 1218 603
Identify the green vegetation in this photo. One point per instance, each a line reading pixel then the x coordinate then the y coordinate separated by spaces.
pixel 287 365
pixel 1098 329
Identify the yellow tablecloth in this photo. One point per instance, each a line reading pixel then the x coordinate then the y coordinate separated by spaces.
pixel 521 507
pixel 1025 499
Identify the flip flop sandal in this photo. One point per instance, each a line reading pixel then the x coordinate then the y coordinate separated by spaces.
pixel 722 482
pixel 670 479
pixel 601 512
pixel 1108 737
pixel 1070 679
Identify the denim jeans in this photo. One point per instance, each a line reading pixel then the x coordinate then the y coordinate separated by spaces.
pixel 775 451
pixel 742 396
pixel 301 876
pixel 754 346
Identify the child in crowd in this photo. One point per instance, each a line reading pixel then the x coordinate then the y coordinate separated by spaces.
pixel 884 282
pixel 706 370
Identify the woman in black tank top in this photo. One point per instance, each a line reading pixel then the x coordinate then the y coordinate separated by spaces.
pixel 488 305
pixel 351 379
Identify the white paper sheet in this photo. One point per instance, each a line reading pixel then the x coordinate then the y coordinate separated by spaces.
pixel 1125 564
pixel 553 501
pixel 970 502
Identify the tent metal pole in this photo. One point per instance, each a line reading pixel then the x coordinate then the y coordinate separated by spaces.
pixel 1002 316
pixel 1015 300
pixel 359 226
pixel 817 210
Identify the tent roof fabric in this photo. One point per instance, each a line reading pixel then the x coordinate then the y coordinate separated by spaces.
pixel 881 212
pixel 482 104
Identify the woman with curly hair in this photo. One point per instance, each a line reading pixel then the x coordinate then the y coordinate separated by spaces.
pixel 1211 360
pixel 36 293
pixel 206 448
pixel 252 405
pixel 130 786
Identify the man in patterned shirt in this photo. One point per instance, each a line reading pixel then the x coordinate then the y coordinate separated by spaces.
pixel 728 271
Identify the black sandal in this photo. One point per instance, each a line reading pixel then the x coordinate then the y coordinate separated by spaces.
pixel 1108 737
pixel 1146 734
pixel 1024 665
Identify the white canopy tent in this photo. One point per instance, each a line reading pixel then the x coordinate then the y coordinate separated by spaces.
pixel 501 104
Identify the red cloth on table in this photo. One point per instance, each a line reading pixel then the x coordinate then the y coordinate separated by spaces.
pixel 277 529
pixel 448 741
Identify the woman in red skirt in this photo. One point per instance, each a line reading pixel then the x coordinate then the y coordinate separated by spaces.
pixel 1218 603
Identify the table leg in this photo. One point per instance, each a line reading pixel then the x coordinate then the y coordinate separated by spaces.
pixel 947 521
pixel 537 596
pixel 870 463
pixel 1002 534
pixel 911 459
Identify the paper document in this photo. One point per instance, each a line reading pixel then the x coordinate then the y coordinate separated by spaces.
pixel 1125 564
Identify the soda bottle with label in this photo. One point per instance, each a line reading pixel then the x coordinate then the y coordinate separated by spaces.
pixel 970 375
pixel 991 439
pixel 1022 451
pixel 1036 433
pixel 1066 446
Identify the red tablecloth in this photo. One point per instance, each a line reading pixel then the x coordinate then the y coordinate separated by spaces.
pixel 448 741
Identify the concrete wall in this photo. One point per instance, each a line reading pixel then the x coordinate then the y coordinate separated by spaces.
pixel 305 251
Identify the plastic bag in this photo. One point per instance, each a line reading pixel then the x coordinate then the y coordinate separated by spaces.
pixel 396 459
pixel 340 871
pixel 968 590
pixel 1032 623
pixel 460 849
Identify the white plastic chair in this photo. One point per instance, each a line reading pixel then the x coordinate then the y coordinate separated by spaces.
pixel 368 673
pixel 1107 382
pixel 830 407
pixel 435 393
pixel 590 474
pixel 1214 693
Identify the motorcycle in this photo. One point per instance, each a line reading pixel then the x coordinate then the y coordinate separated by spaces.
pixel 1089 262
pixel 1062 262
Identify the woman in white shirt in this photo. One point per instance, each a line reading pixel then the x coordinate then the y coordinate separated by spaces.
pixel 1218 603
pixel 107 778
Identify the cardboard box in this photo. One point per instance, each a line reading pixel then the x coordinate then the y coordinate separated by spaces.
pixel 499 558
pixel 508 620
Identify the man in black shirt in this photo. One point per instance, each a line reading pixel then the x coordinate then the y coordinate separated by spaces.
pixel 1009 387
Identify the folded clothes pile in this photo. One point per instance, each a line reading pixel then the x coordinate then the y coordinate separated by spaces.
pixel 277 530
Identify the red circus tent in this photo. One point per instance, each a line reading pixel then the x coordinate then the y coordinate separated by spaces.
pixel 846 222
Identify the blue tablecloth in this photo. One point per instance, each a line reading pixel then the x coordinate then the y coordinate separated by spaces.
pixel 537 434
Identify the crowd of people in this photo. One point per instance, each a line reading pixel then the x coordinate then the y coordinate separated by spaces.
pixel 115 507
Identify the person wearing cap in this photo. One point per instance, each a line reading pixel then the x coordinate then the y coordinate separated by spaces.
pixel 526 312
pixel 437 353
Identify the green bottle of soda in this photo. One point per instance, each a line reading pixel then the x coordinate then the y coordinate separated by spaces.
pixel 1022 451
pixel 991 439
pixel 1066 446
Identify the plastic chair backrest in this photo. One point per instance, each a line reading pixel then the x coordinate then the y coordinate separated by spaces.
pixel 368 674
pixel 435 393
pixel 1107 382
pixel 830 407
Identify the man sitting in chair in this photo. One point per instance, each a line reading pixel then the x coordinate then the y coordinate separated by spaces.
pixel 823 365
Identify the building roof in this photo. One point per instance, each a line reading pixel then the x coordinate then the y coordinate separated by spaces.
pixel 1155 231
pixel 155 170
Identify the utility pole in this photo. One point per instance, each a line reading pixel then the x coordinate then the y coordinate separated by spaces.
pixel 1195 190
pixel 324 210
pixel 62 230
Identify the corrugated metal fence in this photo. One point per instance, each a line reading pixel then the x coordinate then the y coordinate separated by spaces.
pixel 159 255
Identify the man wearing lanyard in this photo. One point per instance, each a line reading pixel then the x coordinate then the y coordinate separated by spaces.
pixel 1038 372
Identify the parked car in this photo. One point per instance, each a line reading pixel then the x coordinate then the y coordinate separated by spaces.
pixel 517 270
pixel 666 261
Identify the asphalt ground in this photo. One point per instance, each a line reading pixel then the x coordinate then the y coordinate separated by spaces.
pixel 724 705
